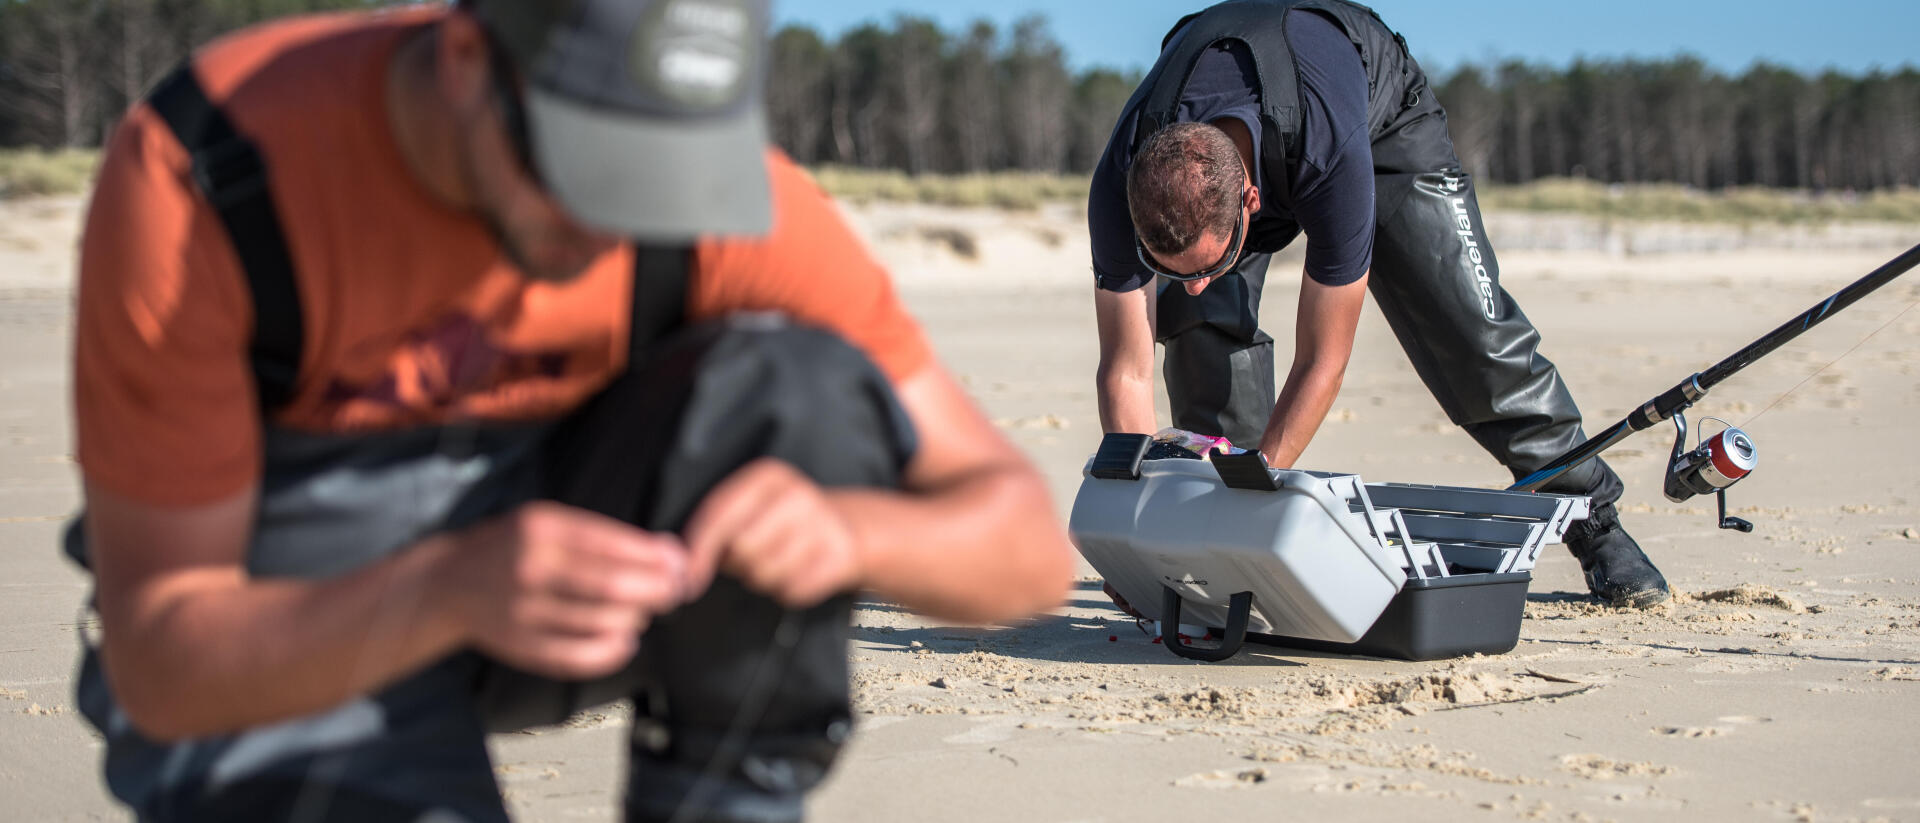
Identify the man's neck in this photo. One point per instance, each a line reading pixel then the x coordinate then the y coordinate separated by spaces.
pixel 422 123
pixel 1242 140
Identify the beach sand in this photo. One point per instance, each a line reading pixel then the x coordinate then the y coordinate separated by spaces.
pixel 1782 683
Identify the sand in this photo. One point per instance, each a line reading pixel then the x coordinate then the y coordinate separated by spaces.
pixel 1782 682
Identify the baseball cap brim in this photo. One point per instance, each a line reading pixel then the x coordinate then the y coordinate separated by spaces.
pixel 648 178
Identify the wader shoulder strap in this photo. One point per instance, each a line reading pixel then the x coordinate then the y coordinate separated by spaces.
pixel 1260 25
pixel 660 276
pixel 231 176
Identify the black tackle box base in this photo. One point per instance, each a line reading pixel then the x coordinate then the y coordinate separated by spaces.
pixel 1436 618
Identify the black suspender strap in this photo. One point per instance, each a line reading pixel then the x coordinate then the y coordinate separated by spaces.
pixel 231 176
pixel 659 296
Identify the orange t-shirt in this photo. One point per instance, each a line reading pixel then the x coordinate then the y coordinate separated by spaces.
pixel 412 314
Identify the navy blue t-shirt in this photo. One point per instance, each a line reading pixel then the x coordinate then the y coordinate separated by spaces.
pixel 1332 188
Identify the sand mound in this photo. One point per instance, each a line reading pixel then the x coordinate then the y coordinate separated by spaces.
pixel 1746 594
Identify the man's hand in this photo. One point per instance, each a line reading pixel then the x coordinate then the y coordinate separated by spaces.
pixel 564 592
pixel 777 531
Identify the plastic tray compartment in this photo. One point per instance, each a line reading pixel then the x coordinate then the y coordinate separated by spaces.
pixel 1469 554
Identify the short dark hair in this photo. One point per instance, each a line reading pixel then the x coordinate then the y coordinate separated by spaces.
pixel 1185 182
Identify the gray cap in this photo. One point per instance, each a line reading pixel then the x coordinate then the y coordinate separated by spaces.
pixel 645 117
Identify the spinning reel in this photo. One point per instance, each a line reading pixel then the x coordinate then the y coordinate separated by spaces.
pixel 1714 464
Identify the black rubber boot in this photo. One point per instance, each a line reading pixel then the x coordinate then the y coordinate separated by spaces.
pixel 1618 572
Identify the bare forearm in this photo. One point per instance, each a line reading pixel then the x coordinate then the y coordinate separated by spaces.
pixel 984 547
pixel 1124 378
pixel 215 655
pixel 1303 404
pixel 1126 402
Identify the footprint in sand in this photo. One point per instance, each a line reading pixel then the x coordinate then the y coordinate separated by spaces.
pixel 1301 777
pixel 1691 731
pixel 1891 803
pixel 1044 421
pixel 989 730
pixel 1225 779
pixel 1596 767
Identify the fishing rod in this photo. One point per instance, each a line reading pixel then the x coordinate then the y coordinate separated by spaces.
pixel 1725 458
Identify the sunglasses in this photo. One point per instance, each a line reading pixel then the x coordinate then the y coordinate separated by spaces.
pixel 1234 247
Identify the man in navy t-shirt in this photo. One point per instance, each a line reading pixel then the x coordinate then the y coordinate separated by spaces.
pixel 1267 119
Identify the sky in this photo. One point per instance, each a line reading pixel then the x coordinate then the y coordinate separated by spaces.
pixel 1854 36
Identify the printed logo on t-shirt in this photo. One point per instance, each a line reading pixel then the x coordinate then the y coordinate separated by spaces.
pixel 436 368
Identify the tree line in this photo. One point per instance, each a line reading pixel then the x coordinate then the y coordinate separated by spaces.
pixel 912 96
pixel 1678 120
pixel 68 68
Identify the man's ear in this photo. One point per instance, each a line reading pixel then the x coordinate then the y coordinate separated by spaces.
pixel 1253 198
pixel 460 62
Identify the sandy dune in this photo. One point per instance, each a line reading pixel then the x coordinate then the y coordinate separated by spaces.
pixel 1783 682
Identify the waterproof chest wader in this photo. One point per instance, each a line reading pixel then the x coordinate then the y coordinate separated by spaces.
pixel 1434 274
pixel 694 405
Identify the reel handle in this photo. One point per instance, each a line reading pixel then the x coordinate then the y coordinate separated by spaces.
pixel 1737 524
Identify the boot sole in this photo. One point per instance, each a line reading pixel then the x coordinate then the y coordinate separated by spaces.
pixel 1641 599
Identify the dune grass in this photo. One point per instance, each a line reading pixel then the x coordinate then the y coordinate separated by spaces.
pixel 1666 201
pixel 1641 201
pixel 36 172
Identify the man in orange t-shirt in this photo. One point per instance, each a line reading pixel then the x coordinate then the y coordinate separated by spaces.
pixel 302 573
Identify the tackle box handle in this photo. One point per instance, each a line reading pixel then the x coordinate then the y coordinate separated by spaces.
pixel 1119 456
pixel 1247 470
pixel 1238 609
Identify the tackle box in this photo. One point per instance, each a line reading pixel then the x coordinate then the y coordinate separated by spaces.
pixel 1316 560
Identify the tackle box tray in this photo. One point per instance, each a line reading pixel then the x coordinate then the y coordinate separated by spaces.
pixel 1317 560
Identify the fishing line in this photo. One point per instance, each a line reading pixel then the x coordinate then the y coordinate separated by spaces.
pixel 1817 372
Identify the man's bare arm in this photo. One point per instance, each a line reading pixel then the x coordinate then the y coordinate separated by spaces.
pixel 1323 342
pixel 193 646
pixel 975 537
pixel 1124 381
pixel 971 537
